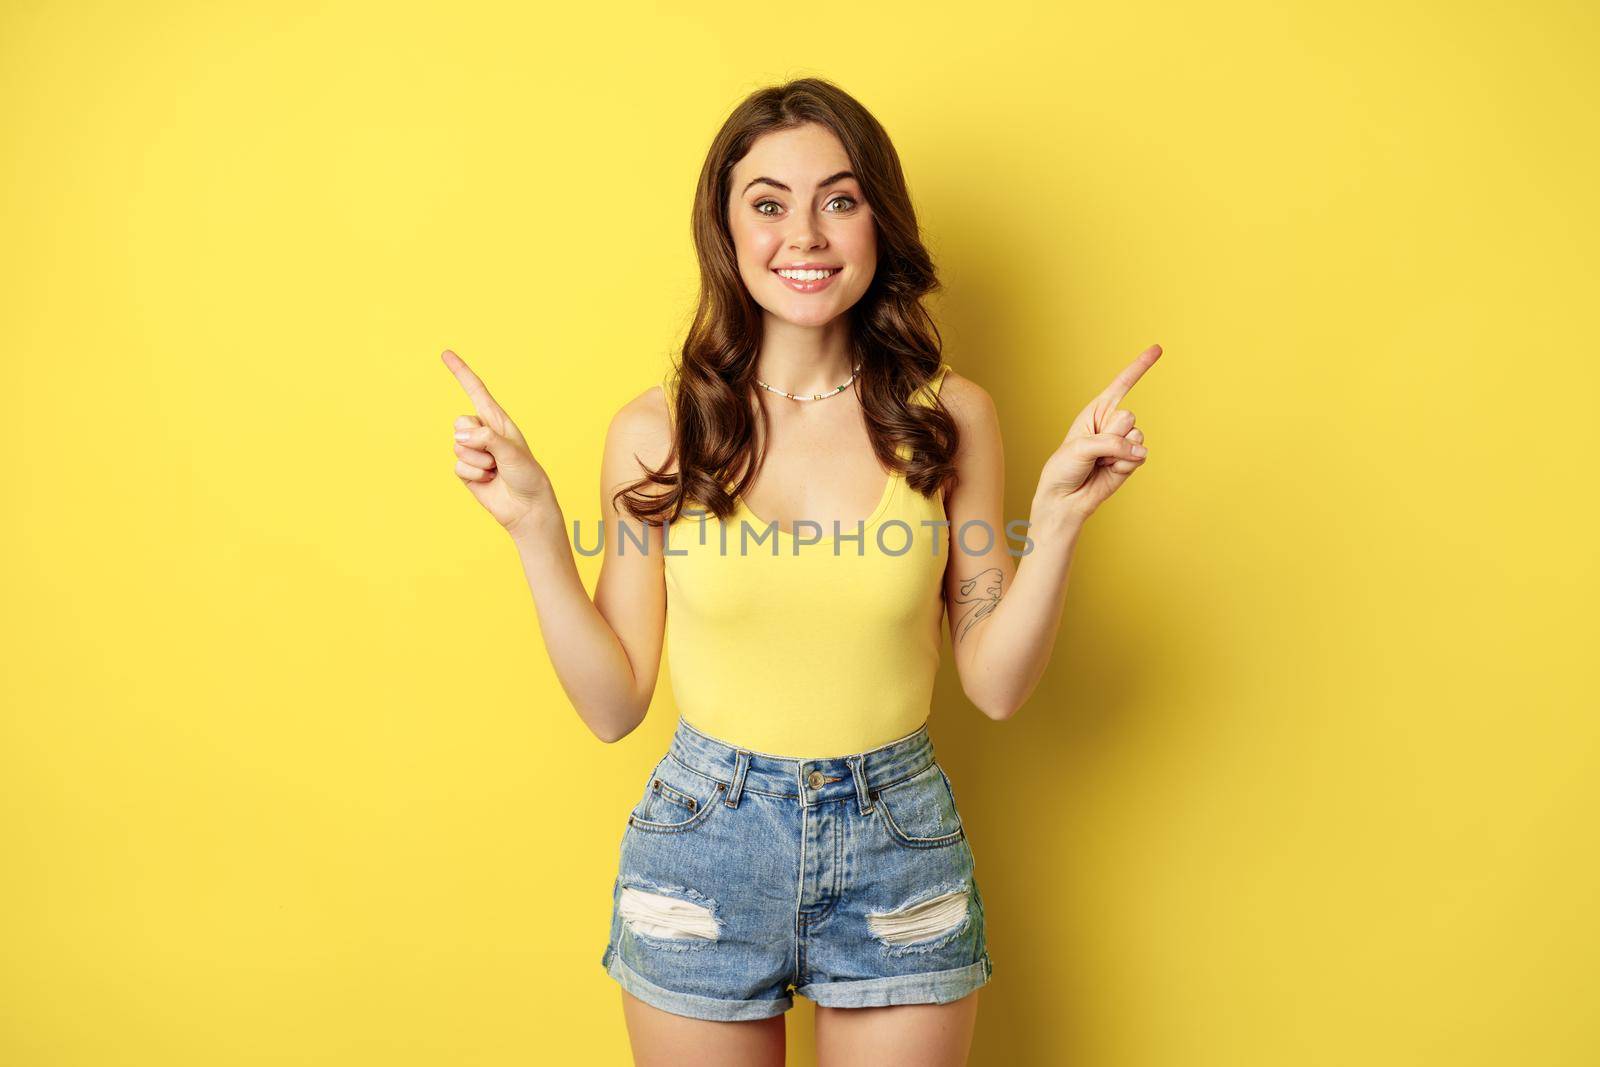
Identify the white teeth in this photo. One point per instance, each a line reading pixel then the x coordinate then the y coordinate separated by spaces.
pixel 806 275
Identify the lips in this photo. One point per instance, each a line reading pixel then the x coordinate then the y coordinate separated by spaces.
pixel 810 286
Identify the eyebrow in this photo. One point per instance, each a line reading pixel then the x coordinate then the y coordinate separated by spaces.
pixel 829 180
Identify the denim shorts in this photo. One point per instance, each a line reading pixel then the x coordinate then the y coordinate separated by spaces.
pixel 747 877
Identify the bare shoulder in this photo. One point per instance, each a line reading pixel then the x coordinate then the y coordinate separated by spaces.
pixel 972 407
pixel 639 432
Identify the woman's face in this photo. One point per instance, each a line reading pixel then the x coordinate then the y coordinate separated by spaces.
pixel 794 203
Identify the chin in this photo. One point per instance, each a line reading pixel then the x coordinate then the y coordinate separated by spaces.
pixel 811 314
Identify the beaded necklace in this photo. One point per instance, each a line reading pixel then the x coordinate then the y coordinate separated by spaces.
pixel 816 396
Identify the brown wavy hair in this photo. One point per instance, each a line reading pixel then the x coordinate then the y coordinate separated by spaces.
pixel 892 336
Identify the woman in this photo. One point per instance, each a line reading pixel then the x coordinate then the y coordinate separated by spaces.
pixel 798 835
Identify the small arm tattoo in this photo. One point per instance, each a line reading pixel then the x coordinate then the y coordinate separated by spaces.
pixel 982 591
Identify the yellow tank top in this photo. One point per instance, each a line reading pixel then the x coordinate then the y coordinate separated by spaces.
pixel 778 643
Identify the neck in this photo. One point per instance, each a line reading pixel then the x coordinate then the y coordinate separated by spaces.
pixel 805 359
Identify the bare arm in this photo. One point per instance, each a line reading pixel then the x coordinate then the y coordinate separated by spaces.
pixel 1005 615
pixel 606 651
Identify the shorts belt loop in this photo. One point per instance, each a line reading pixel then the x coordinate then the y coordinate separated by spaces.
pixel 741 765
pixel 858 767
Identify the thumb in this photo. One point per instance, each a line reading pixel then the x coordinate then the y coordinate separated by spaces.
pixel 1113 445
pixel 503 449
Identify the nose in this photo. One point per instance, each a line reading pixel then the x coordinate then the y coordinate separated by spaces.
pixel 809 235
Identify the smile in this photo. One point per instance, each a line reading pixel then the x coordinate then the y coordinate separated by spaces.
pixel 807 281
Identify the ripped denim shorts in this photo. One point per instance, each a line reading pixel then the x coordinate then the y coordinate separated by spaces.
pixel 747 877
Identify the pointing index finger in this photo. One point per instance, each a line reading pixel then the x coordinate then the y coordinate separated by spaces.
pixel 1120 385
pixel 471 383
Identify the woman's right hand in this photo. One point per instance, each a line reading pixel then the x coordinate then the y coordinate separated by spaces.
pixel 493 460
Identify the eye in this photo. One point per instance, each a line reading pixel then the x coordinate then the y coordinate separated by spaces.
pixel 759 204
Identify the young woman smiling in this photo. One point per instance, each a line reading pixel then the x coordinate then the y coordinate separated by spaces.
pixel 798 835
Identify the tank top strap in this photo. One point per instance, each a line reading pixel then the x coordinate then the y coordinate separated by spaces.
pixel 924 395
pixel 666 389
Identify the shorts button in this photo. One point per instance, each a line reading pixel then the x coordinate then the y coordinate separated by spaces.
pixel 815 779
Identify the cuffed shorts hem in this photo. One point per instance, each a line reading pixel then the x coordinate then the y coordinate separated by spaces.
pixel 695 1007
pixel 935 987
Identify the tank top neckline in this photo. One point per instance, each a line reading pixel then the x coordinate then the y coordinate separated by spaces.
pixel 868 523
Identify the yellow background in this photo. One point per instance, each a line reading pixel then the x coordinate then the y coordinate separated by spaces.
pixel 287 776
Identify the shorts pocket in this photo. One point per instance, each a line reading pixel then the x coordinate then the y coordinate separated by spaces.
pixel 920 812
pixel 676 799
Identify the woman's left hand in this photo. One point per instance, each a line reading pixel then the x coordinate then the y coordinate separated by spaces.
pixel 1102 448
